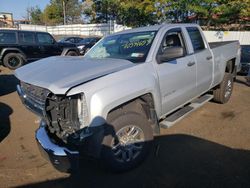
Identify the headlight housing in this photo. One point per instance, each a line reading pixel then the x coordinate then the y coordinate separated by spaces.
pixel 66 115
pixel 82 111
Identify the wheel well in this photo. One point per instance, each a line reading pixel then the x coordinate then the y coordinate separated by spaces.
pixel 13 51
pixel 230 67
pixel 71 50
pixel 142 104
pixel 144 100
pixel 65 51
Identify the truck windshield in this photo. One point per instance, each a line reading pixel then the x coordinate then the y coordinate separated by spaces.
pixel 131 46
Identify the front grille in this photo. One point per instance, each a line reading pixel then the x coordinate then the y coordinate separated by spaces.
pixel 34 98
pixel 35 93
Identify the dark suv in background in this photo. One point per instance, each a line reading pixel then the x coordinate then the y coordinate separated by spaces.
pixel 19 47
pixel 74 40
pixel 85 44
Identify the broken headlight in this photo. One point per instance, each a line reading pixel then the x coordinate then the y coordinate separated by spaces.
pixel 82 111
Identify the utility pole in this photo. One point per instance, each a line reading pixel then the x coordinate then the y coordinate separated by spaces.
pixel 64 13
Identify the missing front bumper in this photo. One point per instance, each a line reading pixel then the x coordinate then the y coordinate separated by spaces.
pixel 62 158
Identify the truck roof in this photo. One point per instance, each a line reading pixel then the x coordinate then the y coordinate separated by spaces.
pixel 153 28
pixel 15 30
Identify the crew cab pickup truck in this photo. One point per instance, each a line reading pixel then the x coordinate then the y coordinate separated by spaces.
pixel 19 47
pixel 111 103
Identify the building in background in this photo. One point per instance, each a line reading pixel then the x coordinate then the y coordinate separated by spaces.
pixel 6 19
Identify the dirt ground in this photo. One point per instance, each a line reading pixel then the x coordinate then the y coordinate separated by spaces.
pixel 209 148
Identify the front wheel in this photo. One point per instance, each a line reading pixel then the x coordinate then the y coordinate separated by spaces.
pixel 127 141
pixel 223 93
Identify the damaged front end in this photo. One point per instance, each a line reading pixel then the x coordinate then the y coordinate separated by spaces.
pixel 66 116
pixel 64 124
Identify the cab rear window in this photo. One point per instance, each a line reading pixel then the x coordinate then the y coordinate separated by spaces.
pixel 196 39
pixel 7 38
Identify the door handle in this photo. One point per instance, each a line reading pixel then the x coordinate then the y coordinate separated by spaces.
pixel 191 63
pixel 209 57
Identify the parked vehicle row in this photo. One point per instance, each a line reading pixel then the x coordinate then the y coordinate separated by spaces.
pixel 83 44
pixel 74 40
pixel 20 47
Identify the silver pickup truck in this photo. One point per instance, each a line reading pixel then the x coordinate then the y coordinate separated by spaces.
pixel 110 103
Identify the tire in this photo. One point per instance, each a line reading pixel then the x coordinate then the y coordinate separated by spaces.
pixel 13 60
pixel 119 151
pixel 223 93
pixel 72 53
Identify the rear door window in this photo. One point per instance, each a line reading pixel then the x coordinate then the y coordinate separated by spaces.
pixel 26 38
pixel 7 37
pixel 196 38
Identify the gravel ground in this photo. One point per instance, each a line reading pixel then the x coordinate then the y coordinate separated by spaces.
pixel 209 148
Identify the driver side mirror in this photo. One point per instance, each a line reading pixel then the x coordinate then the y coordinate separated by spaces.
pixel 170 54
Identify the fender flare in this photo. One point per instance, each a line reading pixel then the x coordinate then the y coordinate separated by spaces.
pixel 6 50
pixel 66 50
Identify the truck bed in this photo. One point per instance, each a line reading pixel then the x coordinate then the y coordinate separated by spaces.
pixel 217 44
pixel 223 52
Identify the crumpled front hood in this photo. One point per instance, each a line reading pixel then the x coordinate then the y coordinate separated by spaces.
pixel 59 74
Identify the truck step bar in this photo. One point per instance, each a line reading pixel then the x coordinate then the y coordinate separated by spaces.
pixel 183 112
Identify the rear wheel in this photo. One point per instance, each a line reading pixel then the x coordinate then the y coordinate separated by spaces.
pixel 13 60
pixel 127 141
pixel 223 93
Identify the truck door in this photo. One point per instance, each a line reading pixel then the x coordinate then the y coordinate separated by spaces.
pixel 177 76
pixel 204 59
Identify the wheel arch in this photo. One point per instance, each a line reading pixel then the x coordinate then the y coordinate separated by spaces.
pixel 66 50
pixel 147 102
pixel 230 66
pixel 12 50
